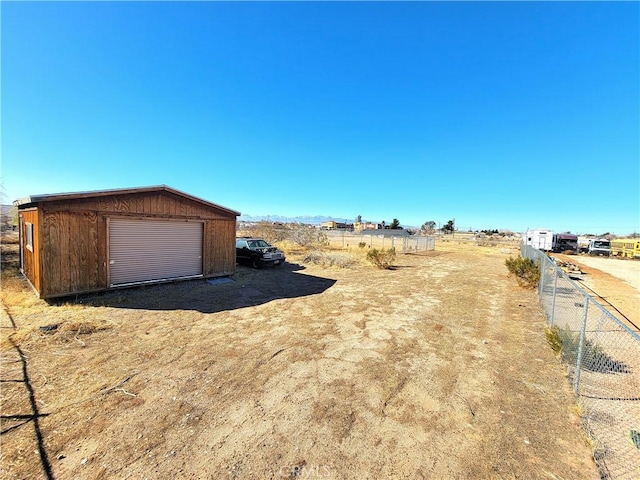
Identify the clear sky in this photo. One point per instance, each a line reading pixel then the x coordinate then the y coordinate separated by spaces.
pixel 501 115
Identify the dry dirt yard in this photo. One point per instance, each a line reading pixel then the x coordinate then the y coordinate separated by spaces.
pixel 613 282
pixel 436 369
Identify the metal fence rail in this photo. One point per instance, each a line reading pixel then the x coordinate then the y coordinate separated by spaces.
pixel 602 355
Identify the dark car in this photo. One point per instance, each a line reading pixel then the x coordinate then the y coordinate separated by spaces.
pixel 257 253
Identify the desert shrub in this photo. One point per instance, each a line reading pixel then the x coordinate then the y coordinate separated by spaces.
pixel 526 271
pixel 10 238
pixel 553 338
pixel 594 356
pixel 362 244
pixel 486 243
pixel 271 232
pixel 307 236
pixel 10 252
pixel 329 259
pixel 382 258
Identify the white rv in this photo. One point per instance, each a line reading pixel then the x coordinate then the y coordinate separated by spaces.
pixel 540 238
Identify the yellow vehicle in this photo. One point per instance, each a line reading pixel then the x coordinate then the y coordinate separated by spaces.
pixel 625 247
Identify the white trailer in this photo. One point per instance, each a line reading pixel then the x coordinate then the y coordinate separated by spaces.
pixel 539 238
pixel 583 244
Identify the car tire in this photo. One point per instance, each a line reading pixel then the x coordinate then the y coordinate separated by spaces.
pixel 255 263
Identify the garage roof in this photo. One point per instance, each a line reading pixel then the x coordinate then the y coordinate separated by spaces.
pixel 51 197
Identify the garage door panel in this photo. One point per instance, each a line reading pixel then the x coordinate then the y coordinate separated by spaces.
pixel 146 250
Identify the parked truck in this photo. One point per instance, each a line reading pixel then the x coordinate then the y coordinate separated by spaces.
pixel 563 242
pixel 626 247
pixel 599 246
pixel 539 238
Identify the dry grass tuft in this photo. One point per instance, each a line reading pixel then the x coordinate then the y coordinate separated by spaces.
pixel 330 259
pixel 40 322
pixel 17 292
pixel 63 332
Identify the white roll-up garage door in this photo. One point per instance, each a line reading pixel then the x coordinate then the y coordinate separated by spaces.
pixel 148 250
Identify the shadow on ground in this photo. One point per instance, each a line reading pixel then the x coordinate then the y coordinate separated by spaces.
pixel 9 422
pixel 247 288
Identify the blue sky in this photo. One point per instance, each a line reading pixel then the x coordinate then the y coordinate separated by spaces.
pixel 501 115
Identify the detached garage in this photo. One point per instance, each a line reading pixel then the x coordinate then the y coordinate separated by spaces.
pixel 90 241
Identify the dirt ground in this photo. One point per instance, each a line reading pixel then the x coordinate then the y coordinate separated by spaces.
pixel 613 282
pixel 438 368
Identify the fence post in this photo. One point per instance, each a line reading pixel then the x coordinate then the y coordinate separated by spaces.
pixel 576 377
pixel 553 303
pixel 543 261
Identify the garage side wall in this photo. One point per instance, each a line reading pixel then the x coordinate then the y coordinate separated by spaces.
pixel 73 252
pixel 219 247
pixel 30 256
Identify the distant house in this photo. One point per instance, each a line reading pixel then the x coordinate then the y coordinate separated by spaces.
pixel 89 241
pixel 360 226
pixel 332 225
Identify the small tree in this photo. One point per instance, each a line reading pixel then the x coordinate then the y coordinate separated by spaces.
pixel 449 227
pixel 428 227
pixel 395 224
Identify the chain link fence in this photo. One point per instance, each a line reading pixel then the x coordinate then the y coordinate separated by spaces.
pixel 402 244
pixel 602 356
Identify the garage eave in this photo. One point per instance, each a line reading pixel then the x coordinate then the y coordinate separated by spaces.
pixel 34 200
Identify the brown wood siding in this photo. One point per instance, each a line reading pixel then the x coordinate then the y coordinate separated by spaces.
pixel 73 253
pixel 71 248
pixel 54 265
pixel 31 259
pixel 84 258
pixel 219 247
pixel 103 251
pixel 150 204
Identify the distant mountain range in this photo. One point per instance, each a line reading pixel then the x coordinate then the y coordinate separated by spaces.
pixel 308 219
